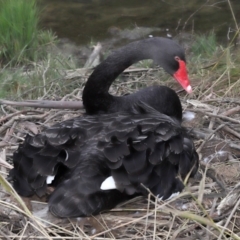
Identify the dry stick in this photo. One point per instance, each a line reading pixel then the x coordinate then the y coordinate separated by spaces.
pixel 217 116
pixel 7 186
pixel 130 70
pixel 235 146
pixel 49 89
pixel 231 111
pixel 35 88
pixel 171 227
pixel 148 208
pixel 45 104
pixel 121 225
pixel 3 161
pixel 213 119
pixel 155 218
pixel 216 82
pixel 7 136
pixel 53 225
pixel 233 15
pixel 44 78
pixel 16 118
pixel 210 214
pixel 231 87
pixel 209 136
pixel 77 73
pixel 229 130
pixel 9 108
pixel 201 135
pixel 229 219
pixel 197 218
pixel 5 235
pixel 212 174
pixel 198 134
pixel 187 230
pixel 52 116
pixel 93 56
pixel 3 119
pixel 178 231
pixel 71 94
pixel 223 100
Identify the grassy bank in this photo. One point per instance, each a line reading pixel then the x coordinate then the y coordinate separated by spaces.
pixel 213 69
pixel 21 41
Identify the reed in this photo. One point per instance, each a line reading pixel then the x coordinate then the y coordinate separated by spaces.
pixel 20 37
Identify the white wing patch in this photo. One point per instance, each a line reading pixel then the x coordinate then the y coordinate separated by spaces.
pixel 50 179
pixel 108 184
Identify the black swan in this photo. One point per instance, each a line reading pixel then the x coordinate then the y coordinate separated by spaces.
pixel 129 144
pixel 164 52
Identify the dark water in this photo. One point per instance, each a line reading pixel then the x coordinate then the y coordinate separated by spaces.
pixel 86 20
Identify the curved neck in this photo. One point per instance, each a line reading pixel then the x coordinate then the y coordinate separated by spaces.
pixel 95 95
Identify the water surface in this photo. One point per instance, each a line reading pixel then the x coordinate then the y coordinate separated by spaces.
pixel 86 20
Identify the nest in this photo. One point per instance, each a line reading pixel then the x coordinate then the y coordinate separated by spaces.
pixel 208 208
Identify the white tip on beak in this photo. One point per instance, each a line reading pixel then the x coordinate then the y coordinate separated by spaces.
pixel 189 89
pixel 108 184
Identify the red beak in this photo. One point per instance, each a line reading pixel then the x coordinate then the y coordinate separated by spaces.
pixel 181 76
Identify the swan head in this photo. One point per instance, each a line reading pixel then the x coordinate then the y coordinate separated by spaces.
pixel 171 57
pixel 181 75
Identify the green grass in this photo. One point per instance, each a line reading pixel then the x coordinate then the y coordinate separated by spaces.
pixel 205 45
pixel 43 77
pixel 214 68
pixel 20 38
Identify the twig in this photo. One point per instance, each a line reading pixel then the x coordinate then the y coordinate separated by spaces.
pixel 9 108
pixel 233 15
pixel 217 116
pixel 71 94
pixel 229 130
pixel 93 59
pixel 54 115
pixel 45 104
pixel 44 77
pixel 5 235
pixel 209 136
pixel 231 111
pixel 223 100
pixel 7 136
pixel 3 119
pixel 17 118
pixel 212 174
pixel 229 218
pixel 235 146
pixel 211 124
pixel 3 161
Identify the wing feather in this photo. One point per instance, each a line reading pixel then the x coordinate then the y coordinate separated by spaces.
pixel 143 147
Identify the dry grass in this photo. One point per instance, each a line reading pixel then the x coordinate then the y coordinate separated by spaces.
pixel 209 206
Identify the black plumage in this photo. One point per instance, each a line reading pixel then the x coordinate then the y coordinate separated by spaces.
pixel 137 139
pixel 158 164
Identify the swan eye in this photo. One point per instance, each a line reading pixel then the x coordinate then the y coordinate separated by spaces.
pixel 177 58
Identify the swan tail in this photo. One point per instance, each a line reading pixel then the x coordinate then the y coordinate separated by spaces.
pixel 67 203
pixel 152 154
pixel 81 194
